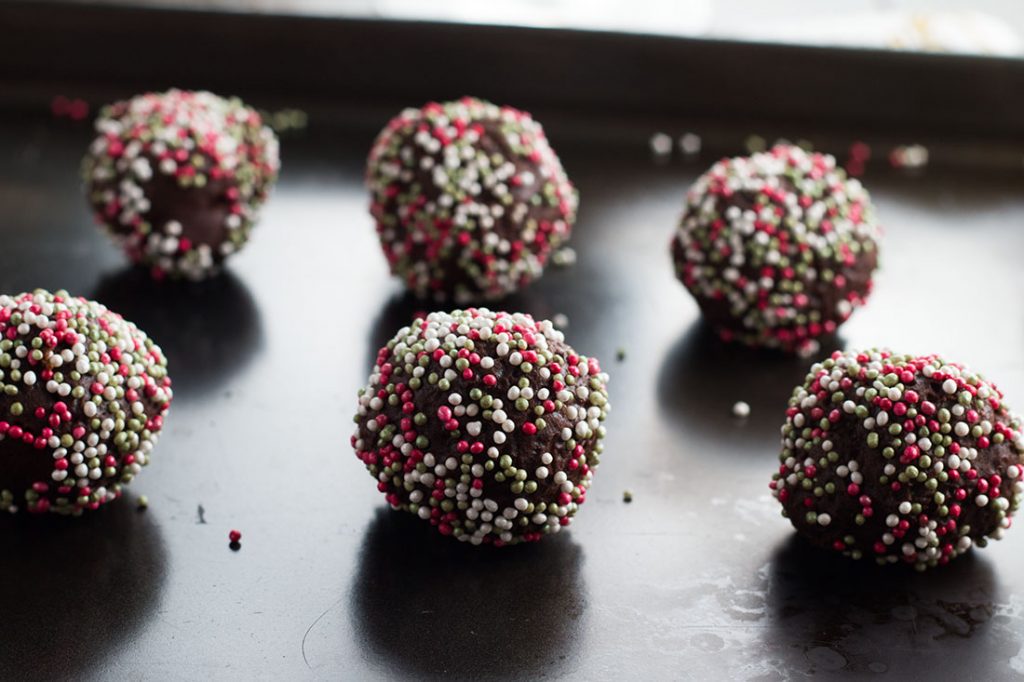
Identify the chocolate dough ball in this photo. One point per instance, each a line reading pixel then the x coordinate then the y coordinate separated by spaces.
pixel 486 424
pixel 778 248
pixel 905 459
pixel 469 199
pixel 178 178
pixel 84 394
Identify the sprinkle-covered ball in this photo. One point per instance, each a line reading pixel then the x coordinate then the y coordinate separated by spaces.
pixel 178 178
pixel 469 199
pixel 84 394
pixel 900 458
pixel 486 424
pixel 778 248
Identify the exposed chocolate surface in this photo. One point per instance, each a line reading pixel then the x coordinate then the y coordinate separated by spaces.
pixel 178 178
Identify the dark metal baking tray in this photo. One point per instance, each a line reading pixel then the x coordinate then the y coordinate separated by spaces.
pixel 698 578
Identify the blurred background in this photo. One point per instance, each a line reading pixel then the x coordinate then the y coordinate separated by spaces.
pixel 985 27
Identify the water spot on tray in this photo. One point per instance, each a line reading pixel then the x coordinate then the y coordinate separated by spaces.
pixel 826 613
pixel 1017 662
pixel 826 659
pixel 708 642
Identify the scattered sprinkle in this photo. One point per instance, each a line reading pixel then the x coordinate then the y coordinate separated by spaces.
pixel 285 120
pixel 74 109
pixel 560 320
pixel 910 157
pixel 234 537
pixel 690 144
pixel 859 155
pixel 660 144
pixel 143 503
pixel 620 354
pixel 627 496
pixel 741 410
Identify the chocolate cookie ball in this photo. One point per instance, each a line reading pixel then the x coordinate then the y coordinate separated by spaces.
pixel 84 394
pixel 778 248
pixel 486 424
pixel 904 459
pixel 178 178
pixel 469 199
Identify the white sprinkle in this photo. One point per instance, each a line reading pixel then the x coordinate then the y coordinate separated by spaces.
pixel 690 144
pixel 661 144
pixel 741 410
